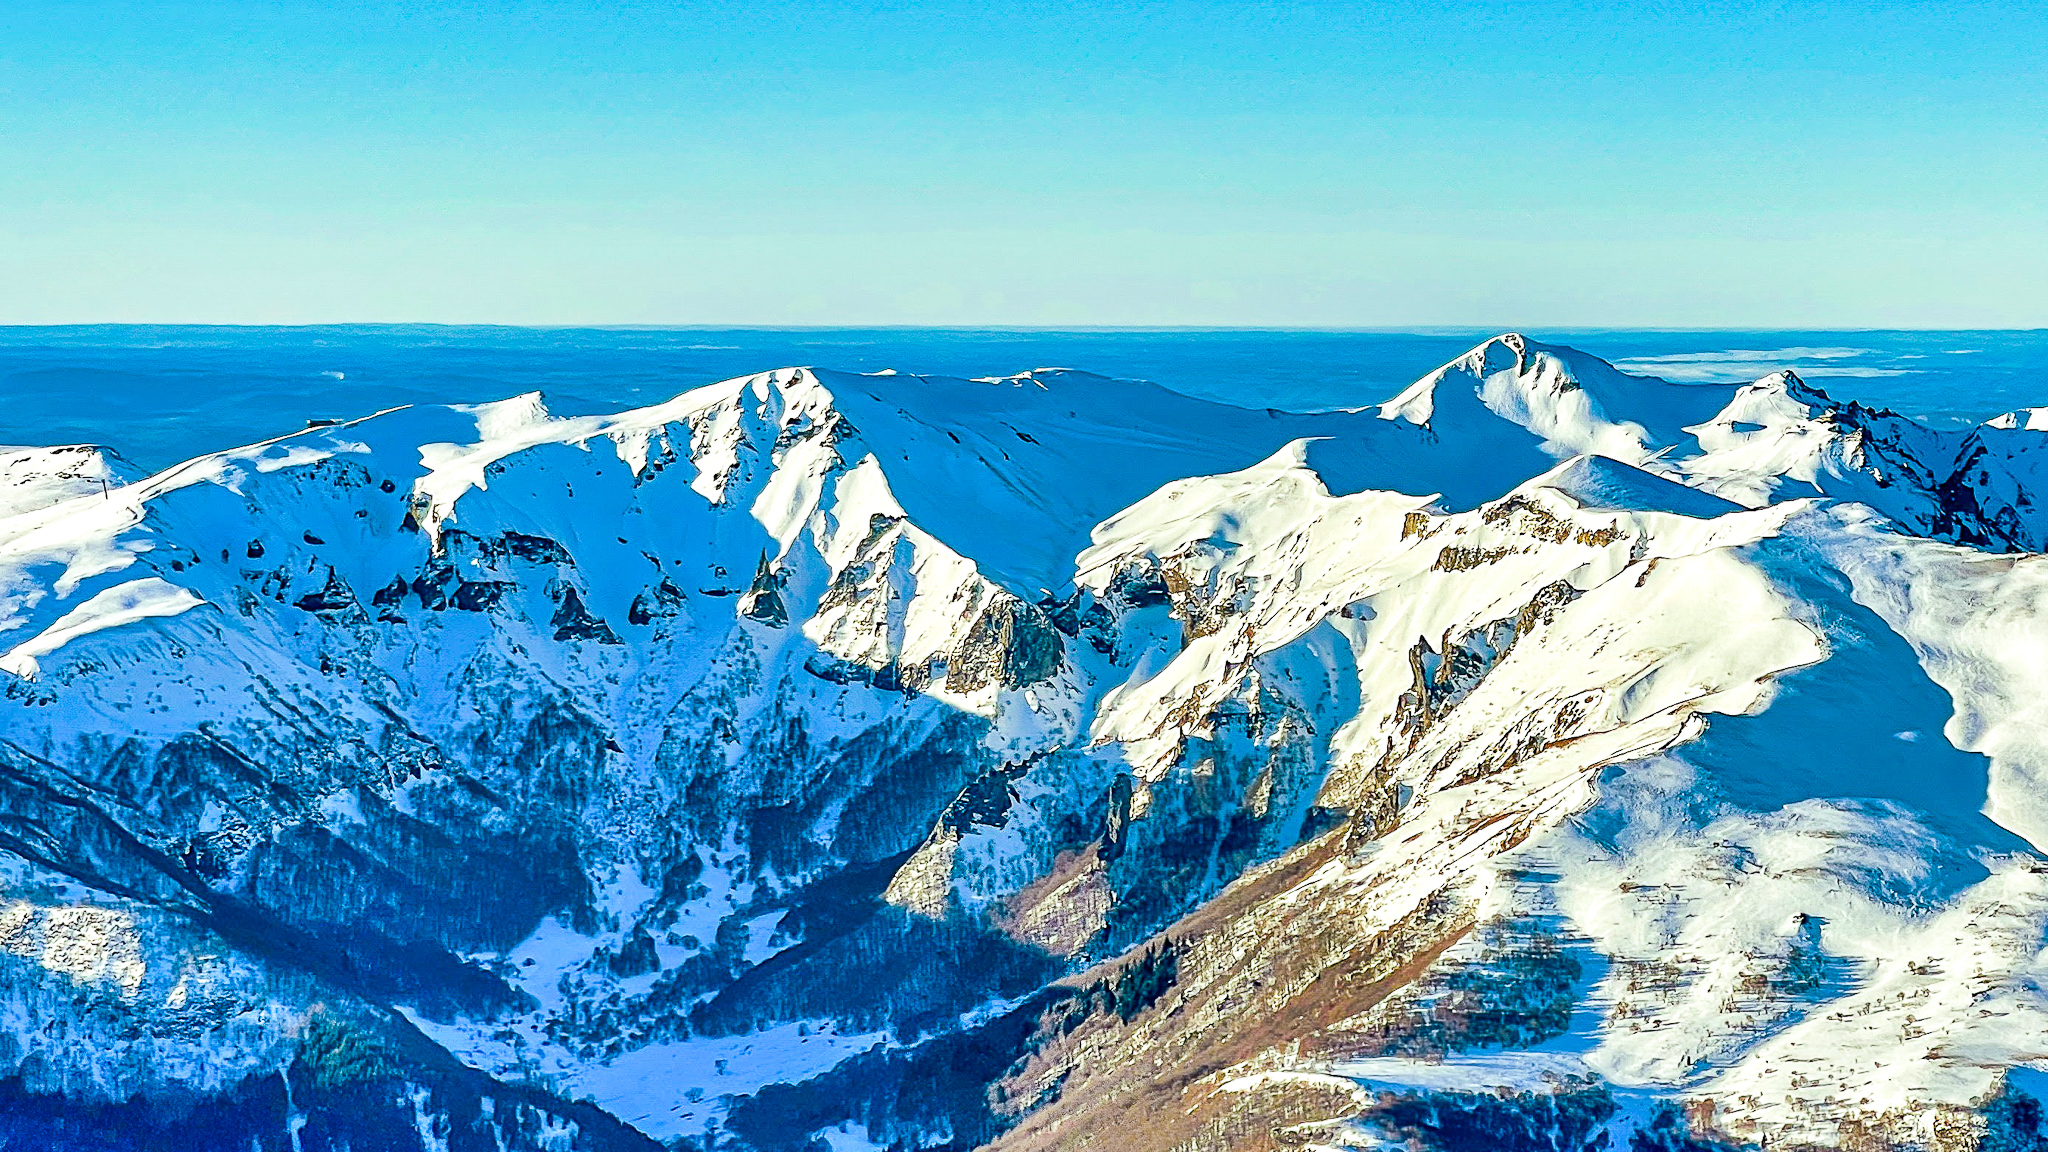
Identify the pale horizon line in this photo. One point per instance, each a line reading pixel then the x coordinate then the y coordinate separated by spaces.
pixel 1362 329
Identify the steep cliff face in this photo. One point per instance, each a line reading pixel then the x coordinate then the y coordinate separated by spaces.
pixel 1547 755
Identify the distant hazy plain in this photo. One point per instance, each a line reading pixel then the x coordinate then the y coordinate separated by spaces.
pixel 161 394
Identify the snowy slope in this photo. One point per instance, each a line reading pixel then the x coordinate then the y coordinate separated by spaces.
pixel 1048 760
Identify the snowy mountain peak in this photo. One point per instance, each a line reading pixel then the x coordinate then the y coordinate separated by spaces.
pixel 36 478
pixel 1573 402
pixel 2031 419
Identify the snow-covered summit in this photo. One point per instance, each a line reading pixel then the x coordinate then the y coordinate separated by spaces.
pixel 1776 438
pixel 1576 403
pixel 39 477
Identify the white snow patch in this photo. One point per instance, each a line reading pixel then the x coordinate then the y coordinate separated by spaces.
pixel 126 603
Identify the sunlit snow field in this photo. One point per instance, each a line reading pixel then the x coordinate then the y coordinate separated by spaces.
pixel 162 394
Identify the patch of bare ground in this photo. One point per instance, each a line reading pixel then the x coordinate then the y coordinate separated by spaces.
pixel 1066 908
pixel 1260 979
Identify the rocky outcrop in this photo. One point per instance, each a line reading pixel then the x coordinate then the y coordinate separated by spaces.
pixel 1011 644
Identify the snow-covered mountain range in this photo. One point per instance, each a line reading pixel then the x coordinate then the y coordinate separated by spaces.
pixel 1545 757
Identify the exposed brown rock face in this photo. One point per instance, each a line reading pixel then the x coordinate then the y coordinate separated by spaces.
pixel 1011 643
pixel 1253 976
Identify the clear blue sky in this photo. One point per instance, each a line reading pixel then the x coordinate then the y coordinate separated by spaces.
pixel 994 163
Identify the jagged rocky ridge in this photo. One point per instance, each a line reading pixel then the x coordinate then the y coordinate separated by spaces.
pixel 1545 758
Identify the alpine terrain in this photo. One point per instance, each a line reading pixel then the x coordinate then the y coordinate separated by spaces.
pixel 1545 757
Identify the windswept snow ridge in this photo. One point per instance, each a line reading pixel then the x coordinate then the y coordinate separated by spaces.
pixel 1544 757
